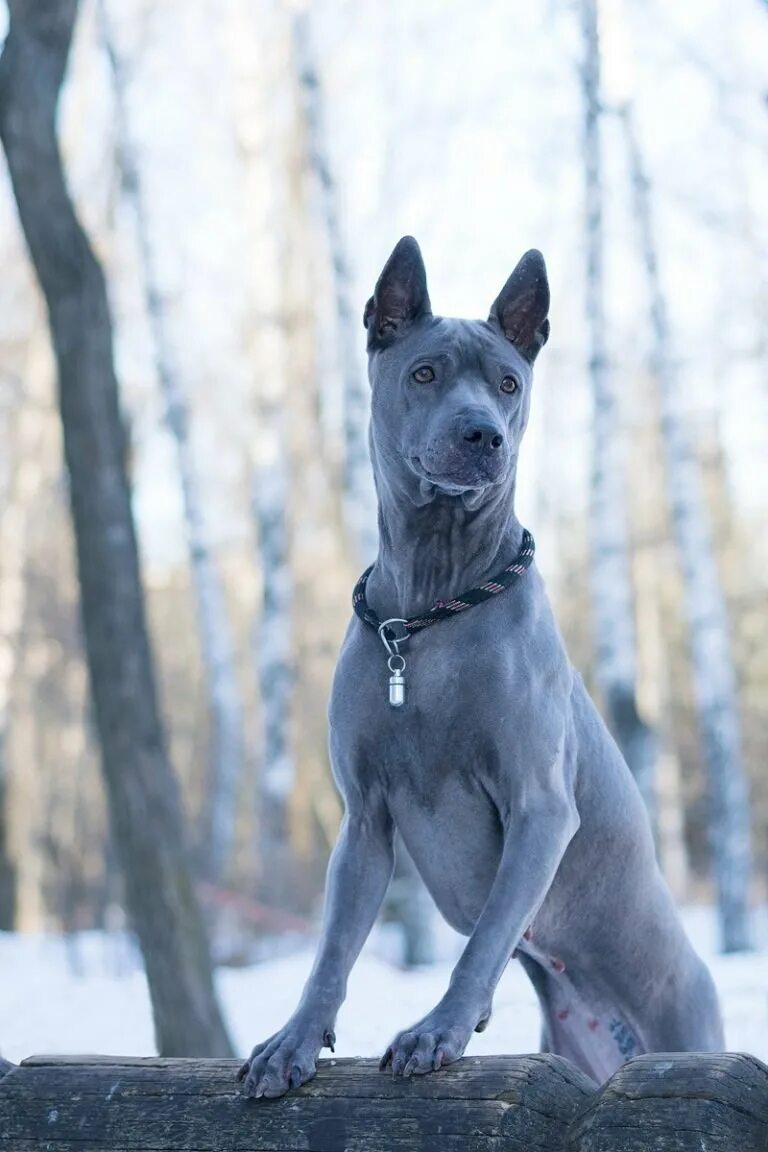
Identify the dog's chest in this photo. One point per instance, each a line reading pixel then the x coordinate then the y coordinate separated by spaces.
pixel 444 783
pixel 455 728
pixel 455 757
pixel 483 699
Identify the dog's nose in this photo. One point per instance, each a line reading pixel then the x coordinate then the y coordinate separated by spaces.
pixel 484 434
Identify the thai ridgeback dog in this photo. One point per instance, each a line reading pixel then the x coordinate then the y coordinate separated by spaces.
pixel 485 750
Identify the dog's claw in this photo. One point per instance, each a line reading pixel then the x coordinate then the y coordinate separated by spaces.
pixel 285 1061
pixel 329 1040
pixel 435 1041
pixel 385 1060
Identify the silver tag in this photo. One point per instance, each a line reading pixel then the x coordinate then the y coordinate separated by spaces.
pixel 396 681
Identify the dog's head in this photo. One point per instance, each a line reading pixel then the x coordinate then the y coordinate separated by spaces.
pixel 451 397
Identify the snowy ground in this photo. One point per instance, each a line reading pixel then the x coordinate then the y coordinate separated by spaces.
pixel 89 996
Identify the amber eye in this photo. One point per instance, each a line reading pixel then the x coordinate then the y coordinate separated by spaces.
pixel 423 375
pixel 509 384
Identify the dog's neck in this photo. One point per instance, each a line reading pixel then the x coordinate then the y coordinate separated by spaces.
pixel 438 550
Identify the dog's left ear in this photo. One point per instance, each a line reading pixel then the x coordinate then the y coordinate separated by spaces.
pixel 521 307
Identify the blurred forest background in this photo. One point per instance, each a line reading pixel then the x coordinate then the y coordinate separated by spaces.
pixel 241 171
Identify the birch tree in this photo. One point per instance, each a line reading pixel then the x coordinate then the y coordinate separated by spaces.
pixel 319 567
pixel 143 799
pixel 30 435
pixel 654 672
pixel 13 539
pixel 216 639
pixel 611 585
pixel 714 676
pixel 12 599
pixel 258 58
pixel 357 482
pixel 409 899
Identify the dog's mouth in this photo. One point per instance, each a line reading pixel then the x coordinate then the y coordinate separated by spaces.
pixel 432 484
pixel 444 483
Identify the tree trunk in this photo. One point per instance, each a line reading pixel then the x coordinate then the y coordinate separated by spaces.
pixel 319 568
pixel 653 691
pixel 261 84
pixel 216 640
pixel 713 671
pixel 357 480
pixel 274 634
pixel 612 601
pixel 143 799
pixel 274 657
pixel 412 905
pixel 32 443
pixel 7 866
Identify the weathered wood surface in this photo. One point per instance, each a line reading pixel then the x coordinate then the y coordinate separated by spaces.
pixel 493 1104
pixel 707 1102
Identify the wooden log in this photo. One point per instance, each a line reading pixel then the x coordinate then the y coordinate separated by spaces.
pixel 702 1101
pixel 487 1104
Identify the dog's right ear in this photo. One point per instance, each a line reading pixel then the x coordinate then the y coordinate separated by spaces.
pixel 400 295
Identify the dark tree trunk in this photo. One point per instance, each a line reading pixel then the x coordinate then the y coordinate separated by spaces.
pixel 144 804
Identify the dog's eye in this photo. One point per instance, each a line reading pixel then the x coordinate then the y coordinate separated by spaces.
pixel 509 384
pixel 423 375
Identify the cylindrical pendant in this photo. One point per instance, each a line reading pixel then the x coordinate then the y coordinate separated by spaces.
pixel 397 689
pixel 396 665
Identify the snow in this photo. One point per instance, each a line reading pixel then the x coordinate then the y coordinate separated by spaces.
pixel 88 995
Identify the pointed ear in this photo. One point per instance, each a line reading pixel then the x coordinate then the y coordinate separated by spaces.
pixel 400 296
pixel 521 307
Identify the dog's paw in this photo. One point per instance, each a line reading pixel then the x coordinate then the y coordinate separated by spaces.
pixel 286 1060
pixel 427 1046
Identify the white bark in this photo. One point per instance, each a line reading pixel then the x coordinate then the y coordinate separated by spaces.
pixel 270 498
pixel 216 641
pixel 274 651
pixel 413 905
pixel 263 124
pixel 612 599
pixel 29 429
pixel 654 697
pixel 359 495
pixel 713 671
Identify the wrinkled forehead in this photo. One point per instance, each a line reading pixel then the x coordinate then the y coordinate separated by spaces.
pixel 469 345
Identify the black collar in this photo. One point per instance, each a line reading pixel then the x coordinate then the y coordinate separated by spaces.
pixel 442 609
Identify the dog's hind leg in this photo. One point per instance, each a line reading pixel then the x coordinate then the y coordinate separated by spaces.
pixel 686 1015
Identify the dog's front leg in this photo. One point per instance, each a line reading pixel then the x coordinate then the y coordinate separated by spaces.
pixel 533 848
pixel 358 874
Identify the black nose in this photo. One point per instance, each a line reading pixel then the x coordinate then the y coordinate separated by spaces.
pixel 483 433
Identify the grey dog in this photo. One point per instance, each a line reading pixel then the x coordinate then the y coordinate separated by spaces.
pixel 510 794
